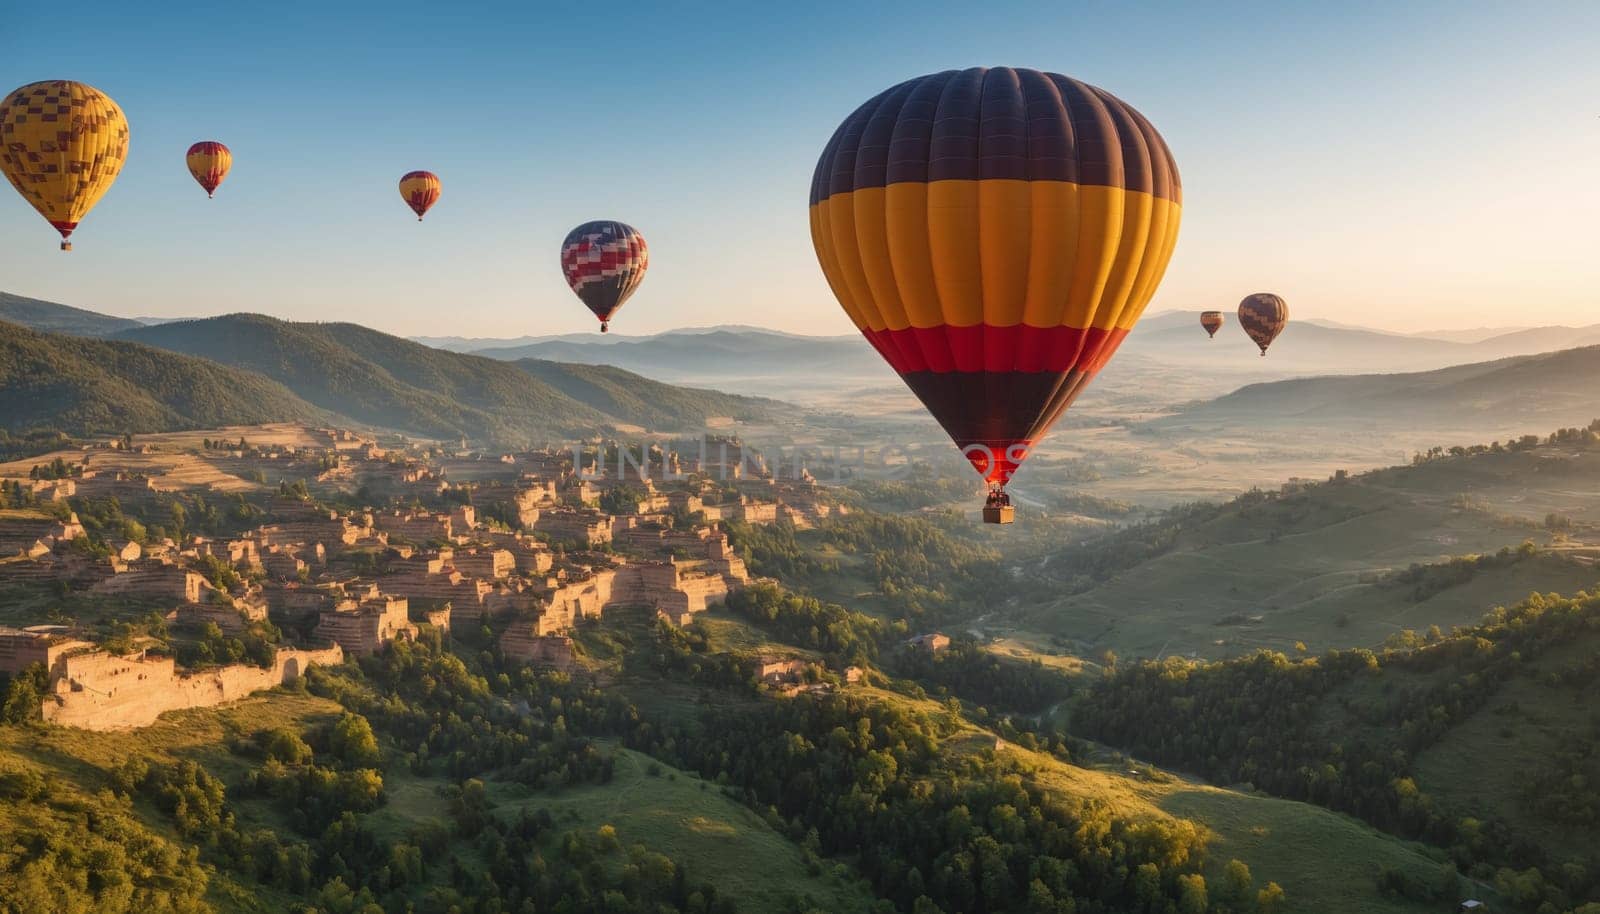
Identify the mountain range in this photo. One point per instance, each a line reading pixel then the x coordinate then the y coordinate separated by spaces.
pixel 1547 389
pixel 580 383
pixel 247 368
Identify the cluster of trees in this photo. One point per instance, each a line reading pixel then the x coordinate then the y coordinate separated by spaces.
pixel 1343 730
pixel 925 488
pixel 68 852
pixel 1425 581
pixel 257 644
pixel 965 669
pixel 932 833
pixel 165 515
pixel 55 469
pixel 16 445
pixel 845 636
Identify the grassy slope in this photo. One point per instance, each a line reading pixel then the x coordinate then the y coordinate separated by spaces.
pixel 1481 766
pixel 1281 841
pixel 719 839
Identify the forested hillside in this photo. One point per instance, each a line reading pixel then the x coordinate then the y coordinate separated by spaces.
pixel 1484 741
pixel 105 387
pixel 390 382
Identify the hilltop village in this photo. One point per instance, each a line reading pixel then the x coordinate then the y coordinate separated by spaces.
pixel 367 545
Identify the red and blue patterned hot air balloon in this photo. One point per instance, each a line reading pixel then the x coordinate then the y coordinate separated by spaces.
pixel 995 234
pixel 604 262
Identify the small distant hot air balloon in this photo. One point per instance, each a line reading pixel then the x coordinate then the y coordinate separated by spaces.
pixel 1211 321
pixel 209 162
pixel 420 190
pixel 62 144
pixel 1262 315
pixel 604 262
pixel 995 234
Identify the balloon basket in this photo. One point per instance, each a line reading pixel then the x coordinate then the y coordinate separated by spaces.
pixel 66 245
pixel 999 514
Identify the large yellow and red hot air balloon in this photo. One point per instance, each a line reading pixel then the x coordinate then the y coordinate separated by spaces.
pixel 62 144
pixel 1211 321
pixel 995 233
pixel 1263 315
pixel 209 162
pixel 420 190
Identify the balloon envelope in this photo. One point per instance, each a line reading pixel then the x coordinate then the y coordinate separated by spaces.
pixel 1263 315
pixel 62 144
pixel 604 262
pixel 420 190
pixel 209 162
pixel 995 233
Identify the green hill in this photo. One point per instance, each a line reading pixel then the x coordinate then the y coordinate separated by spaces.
pixel 1484 742
pixel 87 386
pixel 386 381
pixel 1343 563
pixel 53 318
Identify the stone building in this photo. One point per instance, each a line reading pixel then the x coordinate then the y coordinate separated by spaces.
pixel 369 627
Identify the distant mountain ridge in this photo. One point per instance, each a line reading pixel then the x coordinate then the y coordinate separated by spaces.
pixel 1554 388
pixel 50 317
pixel 110 375
pixel 390 382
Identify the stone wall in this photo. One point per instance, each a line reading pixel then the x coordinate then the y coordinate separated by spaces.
pixel 100 691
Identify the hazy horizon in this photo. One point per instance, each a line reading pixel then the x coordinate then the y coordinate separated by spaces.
pixel 1411 168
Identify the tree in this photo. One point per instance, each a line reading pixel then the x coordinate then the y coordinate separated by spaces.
pixel 1192 894
pixel 353 742
pixel 1271 900
pixel 1237 882
pixel 24 695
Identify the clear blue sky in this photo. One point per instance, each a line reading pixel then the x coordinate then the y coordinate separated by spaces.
pixel 1409 165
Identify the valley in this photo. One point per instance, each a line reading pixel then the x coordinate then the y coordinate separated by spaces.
pixel 656 660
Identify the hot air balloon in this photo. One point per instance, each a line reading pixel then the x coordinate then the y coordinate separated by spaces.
pixel 62 144
pixel 1211 321
pixel 420 190
pixel 995 233
pixel 1262 315
pixel 209 162
pixel 604 262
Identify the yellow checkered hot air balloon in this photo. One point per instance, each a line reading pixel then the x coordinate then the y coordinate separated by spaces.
pixel 420 190
pixel 209 162
pixel 62 144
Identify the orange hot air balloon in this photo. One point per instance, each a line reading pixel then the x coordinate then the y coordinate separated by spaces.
pixel 209 162
pixel 1211 321
pixel 420 190
pixel 995 234
pixel 1262 315
pixel 62 144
